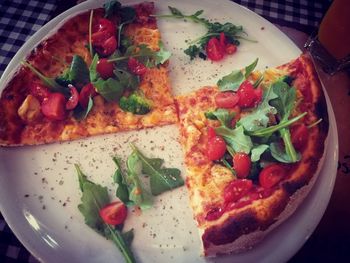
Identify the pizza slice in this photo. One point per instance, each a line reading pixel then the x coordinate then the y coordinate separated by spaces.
pixel 253 146
pixel 102 72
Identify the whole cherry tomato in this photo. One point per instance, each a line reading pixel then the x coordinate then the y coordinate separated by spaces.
pixel 39 91
pixel 299 134
pixel 136 67
pixel 54 106
pixel 114 213
pixel 241 164
pixel 226 100
pixel 236 189
pixel 105 68
pixel 87 91
pixel 248 96
pixel 216 148
pixel 271 175
pixel 215 51
pixel 73 99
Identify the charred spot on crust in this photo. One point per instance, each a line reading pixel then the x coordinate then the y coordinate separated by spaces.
pixel 231 229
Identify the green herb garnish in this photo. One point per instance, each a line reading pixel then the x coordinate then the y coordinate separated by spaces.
pixel 161 179
pixel 94 197
pixel 232 81
pixel 197 47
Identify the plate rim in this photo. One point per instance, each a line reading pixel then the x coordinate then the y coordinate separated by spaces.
pixel 53 25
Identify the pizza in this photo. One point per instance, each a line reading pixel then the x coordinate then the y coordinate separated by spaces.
pixel 252 151
pixel 66 90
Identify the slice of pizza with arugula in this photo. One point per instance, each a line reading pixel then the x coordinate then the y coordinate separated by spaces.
pixel 103 71
pixel 253 146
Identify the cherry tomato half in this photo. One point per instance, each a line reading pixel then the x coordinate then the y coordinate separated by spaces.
pixel 230 49
pixel 73 99
pixel 299 134
pixel 136 67
pixel 105 68
pixel 107 47
pixel 216 148
pixel 271 175
pixel 236 189
pixel 39 91
pixel 104 37
pixel 248 96
pixel 241 164
pixel 87 91
pixel 215 51
pixel 54 106
pixel 114 213
pixel 226 100
pixel 106 26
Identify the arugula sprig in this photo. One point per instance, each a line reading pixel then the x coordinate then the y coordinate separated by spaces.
pixel 126 15
pixel 146 55
pixel 49 82
pixel 131 189
pixel 94 197
pixel 197 47
pixel 162 179
pixel 232 81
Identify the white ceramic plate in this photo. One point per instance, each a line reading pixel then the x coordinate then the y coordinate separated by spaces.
pixel 39 190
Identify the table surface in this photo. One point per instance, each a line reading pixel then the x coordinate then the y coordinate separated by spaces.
pixel 19 19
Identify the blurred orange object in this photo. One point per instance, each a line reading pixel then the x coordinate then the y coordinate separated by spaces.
pixel 334 31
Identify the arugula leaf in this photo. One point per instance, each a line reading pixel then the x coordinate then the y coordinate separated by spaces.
pixel 77 74
pixel 137 193
pixel 278 152
pixel 94 197
pixel 93 74
pixel 111 8
pixel 126 79
pixel 80 113
pixel 235 138
pixel 161 179
pixel 258 118
pixel 144 54
pixel 122 191
pixel 284 104
pixel 128 237
pixel 233 80
pixel 257 151
pixel 176 13
pixel 161 55
pixel 193 51
pixel 50 82
pixel 271 129
pixel 123 244
pixel 223 115
pixel 110 89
